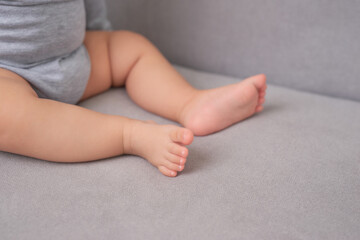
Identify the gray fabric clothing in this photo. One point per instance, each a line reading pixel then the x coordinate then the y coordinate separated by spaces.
pixel 42 41
pixel 96 15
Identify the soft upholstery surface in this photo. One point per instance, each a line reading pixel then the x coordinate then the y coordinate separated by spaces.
pixel 291 172
pixel 311 45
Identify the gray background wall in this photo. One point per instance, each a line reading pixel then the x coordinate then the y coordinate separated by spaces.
pixel 303 44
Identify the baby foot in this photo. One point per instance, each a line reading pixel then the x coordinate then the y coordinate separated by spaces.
pixel 162 145
pixel 212 110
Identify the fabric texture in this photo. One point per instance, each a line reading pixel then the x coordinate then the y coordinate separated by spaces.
pixel 96 15
pixel 302 44
pixel 42 41
pixel 291 172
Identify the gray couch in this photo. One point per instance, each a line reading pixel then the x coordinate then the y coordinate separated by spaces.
pixel 291 172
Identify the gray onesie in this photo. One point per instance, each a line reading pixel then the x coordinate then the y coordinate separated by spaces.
pixel 42 41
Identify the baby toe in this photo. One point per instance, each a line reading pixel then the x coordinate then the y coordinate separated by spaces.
pixel 261 101
pixel 182 135
pixel 167 172
pixel 172 166
pixel 259 81
pixel 176 159
pixel 178 150
pixel 259 108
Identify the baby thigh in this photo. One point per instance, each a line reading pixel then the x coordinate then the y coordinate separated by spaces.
pixel 112 55
pixel 16 95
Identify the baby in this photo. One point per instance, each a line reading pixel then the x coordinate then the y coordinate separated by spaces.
pixel 49 62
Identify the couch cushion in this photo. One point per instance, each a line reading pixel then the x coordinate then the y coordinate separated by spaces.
pixel 303 44
pixel 291 172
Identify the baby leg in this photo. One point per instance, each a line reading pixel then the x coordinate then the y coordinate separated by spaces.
pixel 60 132
pixel 155 85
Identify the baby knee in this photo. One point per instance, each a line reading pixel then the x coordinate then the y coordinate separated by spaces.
pixel 136 39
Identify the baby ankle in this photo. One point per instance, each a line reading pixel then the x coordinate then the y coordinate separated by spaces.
pixel 183 111
pixel 128 135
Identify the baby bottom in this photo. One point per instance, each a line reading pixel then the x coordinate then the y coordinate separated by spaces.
pixel 62 79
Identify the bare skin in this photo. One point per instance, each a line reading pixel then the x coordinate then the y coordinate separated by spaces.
pixel 60 132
